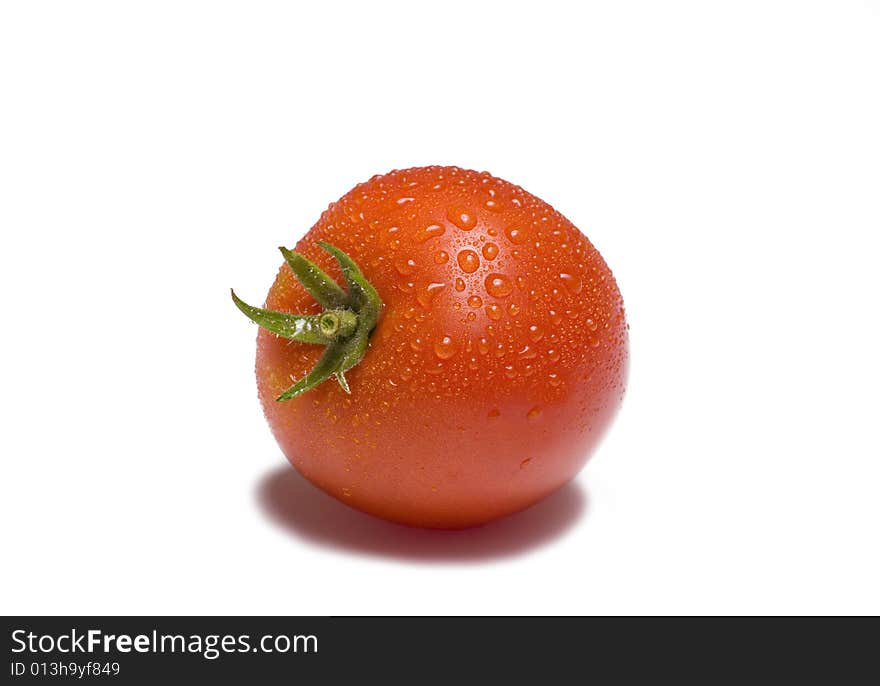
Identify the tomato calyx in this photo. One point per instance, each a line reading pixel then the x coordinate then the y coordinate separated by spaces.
pixel 344 326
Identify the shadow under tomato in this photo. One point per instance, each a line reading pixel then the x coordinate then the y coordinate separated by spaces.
pixel 306 512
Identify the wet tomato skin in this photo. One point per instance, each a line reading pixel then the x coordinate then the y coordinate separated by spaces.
pixel 498 362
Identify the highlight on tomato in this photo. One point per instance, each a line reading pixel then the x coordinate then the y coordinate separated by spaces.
pixel 441 349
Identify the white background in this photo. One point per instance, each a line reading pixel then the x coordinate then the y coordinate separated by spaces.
pixel 724 157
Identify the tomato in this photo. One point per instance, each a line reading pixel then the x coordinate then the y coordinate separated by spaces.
pixel 498 360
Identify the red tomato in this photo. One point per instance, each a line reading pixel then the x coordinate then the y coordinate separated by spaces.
pixel 498 361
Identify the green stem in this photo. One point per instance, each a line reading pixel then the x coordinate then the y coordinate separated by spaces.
pixel 344 326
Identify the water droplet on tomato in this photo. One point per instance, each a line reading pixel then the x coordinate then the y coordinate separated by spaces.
pixel 427 294
pixel 391 233
pixel 475 301
pixel 535 333
pixel 494 414
pixel 493 311
pixel 513 309
pixel 404 200
pixel 471 316
pixel 491 205
pixel 406 373
pixel 528 352
pixel 572 283
pixel 445 348
pixel 498 285
pixel 534 414
pixel 404 265
pixel 482 345
pixel 430 231
pixel 515 235
pixel 435 370
pixel 462 217
pixel 469 261
pixel 459 284
pixel 490 251
pixel 441 257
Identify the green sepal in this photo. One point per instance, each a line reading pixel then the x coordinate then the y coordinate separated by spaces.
pixel 316 281
pixel 360 290
pixel 343 382
pixel 356 346
pixel 323 370
pixel 305 328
